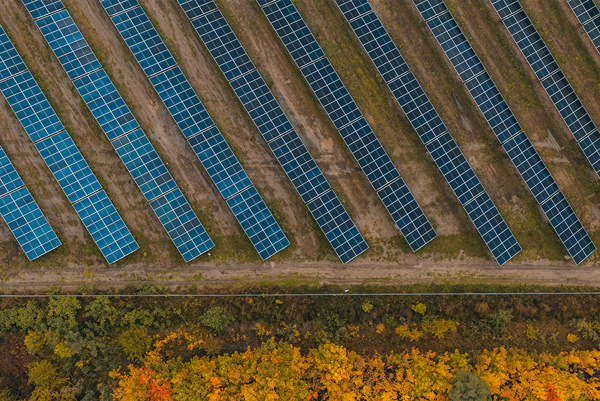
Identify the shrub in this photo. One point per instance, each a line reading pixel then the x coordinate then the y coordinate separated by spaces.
pixel 367 306
pixel 469 387
pixel 419 308
pixel 586 329
pixel 438 328
pixel 501 319
pixel 217 319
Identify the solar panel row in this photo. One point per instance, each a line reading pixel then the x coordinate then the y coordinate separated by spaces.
pixel 345 114
pixel 508 131
pixel 546 69
pixel 121 128
pixel 276 129
pixel 61 155
pixel 196 125
pixel 22 215
pixel 429 126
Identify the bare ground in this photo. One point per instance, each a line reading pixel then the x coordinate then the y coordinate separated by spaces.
pixel 458 247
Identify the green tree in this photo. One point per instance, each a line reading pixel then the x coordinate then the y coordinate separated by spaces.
pixel 135 341
pixel 217 319
pixel 469 387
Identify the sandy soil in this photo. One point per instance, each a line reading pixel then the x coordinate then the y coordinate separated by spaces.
pixel 458 245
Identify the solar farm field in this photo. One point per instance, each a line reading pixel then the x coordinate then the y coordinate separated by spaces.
pixel 272 156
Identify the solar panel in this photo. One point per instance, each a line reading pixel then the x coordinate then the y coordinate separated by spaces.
pixel 354 8
pixel 378 45
pixel 455 168
pixel 195 8
pixel 105 103
pixel 455 45
pixel 331 92
pixel 256 220
pixel 531 167
pixel 591 149
pixel 261 105
pixel 182 102
pixel 10 61
pixel 106 226
pixel 430 8
pixel 492 228
pixel 143 41
pixel 418 109
pixel 68 44
pixel 41 8
pixel 220 162
pixel 114 7
pixel 493 107
pixel 223 45
pixel 27 223
pixel 182 225
pixel 592 28
pixel 369 153
pixel 142 161
pixel 293 32
pixel 531 44
pixel 9 178
pixel 31 107
pixel 504 8
pixel 568 227
pixel 299 166
pixel 68 166
pixel 337 226
pixel 584 10
pixel 407 214
pixel 568 105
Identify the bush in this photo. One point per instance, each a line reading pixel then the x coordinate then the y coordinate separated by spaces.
pixel 469 387
pixel 501 319
pixel 217 319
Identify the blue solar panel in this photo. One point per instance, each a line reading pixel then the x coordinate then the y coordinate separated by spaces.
pixel 337 226
pixel 407 214
pixel 106 226
pixel 114 7
pixel 182 225
pixel 430 8
pixel 492 228
pixel 568 105
pixel 569 229
pixel 591 149
pixel 455 168
pixel 299 166
pixel 418 109
pixel 379 46
pixel 30 106
pixel 592 28
pixel 531 44
pixel 9 178
pixel 68 44
pixel 220 162
pixel 584 10
pixel 263 3
pixel 10 61
pixel 293 32
pixel 455 45
pixel 142 161
pixel 493 107
pixel 331 92
pixel 68 166
pixel 28 224
pixel 504 8
pixel 531 167
pixel 256 220
pixel 105 103
pixel 369 153
pixel 354 8
pixel 41 8
pixel 223 45
pixel 143 41
pixel 196 8
pixel 184 105
pixel 261 105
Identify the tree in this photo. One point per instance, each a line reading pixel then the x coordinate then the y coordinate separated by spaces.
pixel 469 387
pixel 217 319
